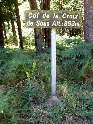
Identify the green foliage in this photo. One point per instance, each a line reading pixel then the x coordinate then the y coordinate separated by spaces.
pixel 57 113
pixel 32 93
pixel 78 99
pixel 4 14
pixel 43 114
pixel 75 58
pixel 25 77
pixel 28 75
pixel 67 5
pixel 14 66
pixel 8 113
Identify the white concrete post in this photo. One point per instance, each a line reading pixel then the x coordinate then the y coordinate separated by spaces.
pixel 53 62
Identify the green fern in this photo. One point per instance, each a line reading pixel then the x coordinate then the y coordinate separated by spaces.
pixel 75 59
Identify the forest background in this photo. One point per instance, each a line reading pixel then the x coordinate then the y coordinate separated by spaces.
pixel 25 65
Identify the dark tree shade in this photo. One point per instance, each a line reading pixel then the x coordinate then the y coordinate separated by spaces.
pixel 1 35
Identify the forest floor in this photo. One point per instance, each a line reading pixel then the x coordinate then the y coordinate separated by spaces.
pixel 76 106
pixel 27 92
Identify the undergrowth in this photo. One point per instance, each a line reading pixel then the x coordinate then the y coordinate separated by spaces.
pixel 25 84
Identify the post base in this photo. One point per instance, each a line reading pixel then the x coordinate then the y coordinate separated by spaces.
pixel 53 99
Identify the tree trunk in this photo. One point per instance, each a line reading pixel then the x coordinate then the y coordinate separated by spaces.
pixel 1 31
pixel 8 25
pixel 13 26
pixel 88 21
pixel 37 31
pixel 5 37
pixel 38 40
pixel 33 4
pixel 14 32
pixel 47 33
pixel 1 35
pixel 18 24
pixel 45 5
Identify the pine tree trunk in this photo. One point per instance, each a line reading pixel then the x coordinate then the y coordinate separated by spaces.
pixel 13 26
pixel 47 33
pixel 8 25
pixel 18 24
pixel 38 40
pixel 1 35
pixel 45 5
pixel 37 31
pixel 5 37
pixel 14 32
pixel 88 21
pixel 1 32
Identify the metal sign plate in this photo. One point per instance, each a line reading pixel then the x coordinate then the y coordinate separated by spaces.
pixel 52 19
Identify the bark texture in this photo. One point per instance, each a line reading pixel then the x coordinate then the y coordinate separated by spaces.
pixel 1 35
pixel 88 21
pixel 13 26
pixel 18 24
pixel 45 5
pixel 37 31
pixel 14 32
pixel 5 36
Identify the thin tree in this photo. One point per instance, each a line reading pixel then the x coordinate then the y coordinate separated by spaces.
pixel 13 25
pixel 37 31
pixel 88 20
pixel 4 30
pixel 18 24
pixel 1 28
pixel 45 5
pixel 1 35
